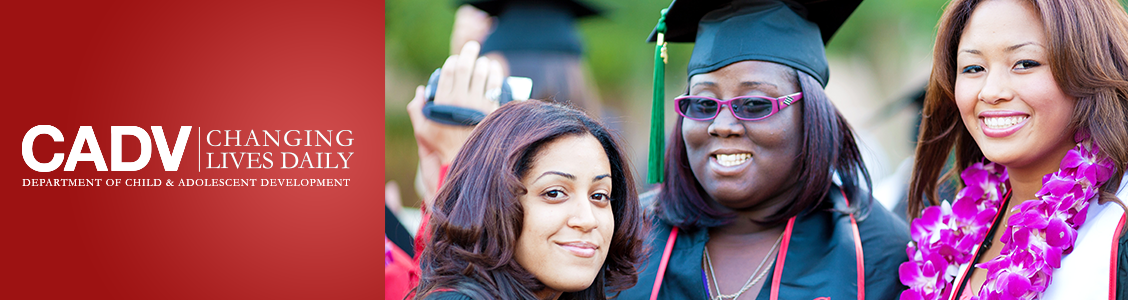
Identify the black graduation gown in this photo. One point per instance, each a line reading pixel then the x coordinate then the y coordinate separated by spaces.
pixel 1122 267
pixel 820 260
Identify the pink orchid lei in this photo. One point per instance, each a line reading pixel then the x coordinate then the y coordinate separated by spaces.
pixel 1042 231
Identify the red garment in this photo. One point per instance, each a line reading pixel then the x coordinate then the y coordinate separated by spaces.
pixel 401 273
pixel 422 236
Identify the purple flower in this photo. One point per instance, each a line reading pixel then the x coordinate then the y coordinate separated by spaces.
pixel 1079 217
pixel 1104 170
pixel 915 275
pixel 1036 238
pixel 1054 184
pixel 1030 216
pixel 965 211
pixel 925 228
pixel 1072 159
pixel 1059 233
pixel 912 294
pixel 1016 285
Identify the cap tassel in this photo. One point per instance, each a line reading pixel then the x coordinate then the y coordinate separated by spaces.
pixel 657 171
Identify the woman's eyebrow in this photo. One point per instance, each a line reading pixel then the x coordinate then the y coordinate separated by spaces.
pixel 744 84
pixel 597 178
pixel 1015 47
pixel 754 84
pixel 1010 48
pixel 557 173
pixel 706 83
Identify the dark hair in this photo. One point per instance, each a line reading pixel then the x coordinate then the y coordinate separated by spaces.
pixel 477 216
pixel 828 148
pixel 558 77
pixel 1088 55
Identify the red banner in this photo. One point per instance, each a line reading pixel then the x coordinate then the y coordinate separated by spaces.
pixel 191 149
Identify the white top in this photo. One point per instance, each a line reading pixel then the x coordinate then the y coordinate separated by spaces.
pixel 1084 274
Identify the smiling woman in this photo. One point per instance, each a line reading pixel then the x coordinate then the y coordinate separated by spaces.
pixel 568 218
pixel 539 203
pixel 1030 96
pixel 765 193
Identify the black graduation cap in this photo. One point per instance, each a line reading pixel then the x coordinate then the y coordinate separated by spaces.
pixel 792 33
pixel 538 25
pixel 788 32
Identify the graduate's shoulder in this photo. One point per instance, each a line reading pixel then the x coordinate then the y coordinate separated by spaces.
pixel 880 224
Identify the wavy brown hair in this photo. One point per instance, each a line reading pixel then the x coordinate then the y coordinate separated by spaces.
pixel 1088 56
pixel 477 215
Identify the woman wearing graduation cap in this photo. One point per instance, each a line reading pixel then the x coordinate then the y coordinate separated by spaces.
pixel 535 39
pixel 763 197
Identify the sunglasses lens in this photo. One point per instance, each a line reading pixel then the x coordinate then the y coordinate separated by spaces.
pixel 752 108
pixel 698 108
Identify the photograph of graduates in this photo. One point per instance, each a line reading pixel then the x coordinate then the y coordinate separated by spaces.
pixel 765 179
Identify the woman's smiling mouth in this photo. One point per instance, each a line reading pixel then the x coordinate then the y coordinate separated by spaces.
pixel 729 160
pixel 581 248
pixel 998 124
pixel 1003 122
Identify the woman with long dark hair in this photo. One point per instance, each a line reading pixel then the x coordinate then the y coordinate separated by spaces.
pixel 765 194
pixel 539 203
pixel 1031 97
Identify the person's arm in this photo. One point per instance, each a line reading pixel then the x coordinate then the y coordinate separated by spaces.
pixel 464 82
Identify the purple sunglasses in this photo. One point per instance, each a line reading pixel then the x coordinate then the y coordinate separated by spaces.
pixel 748 108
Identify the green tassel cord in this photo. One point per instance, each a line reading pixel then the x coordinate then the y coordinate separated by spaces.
pixel 657 171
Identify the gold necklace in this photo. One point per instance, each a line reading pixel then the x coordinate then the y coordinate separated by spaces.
pixel 752 280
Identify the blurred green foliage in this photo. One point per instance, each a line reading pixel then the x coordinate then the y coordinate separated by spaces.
pixel 418 33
